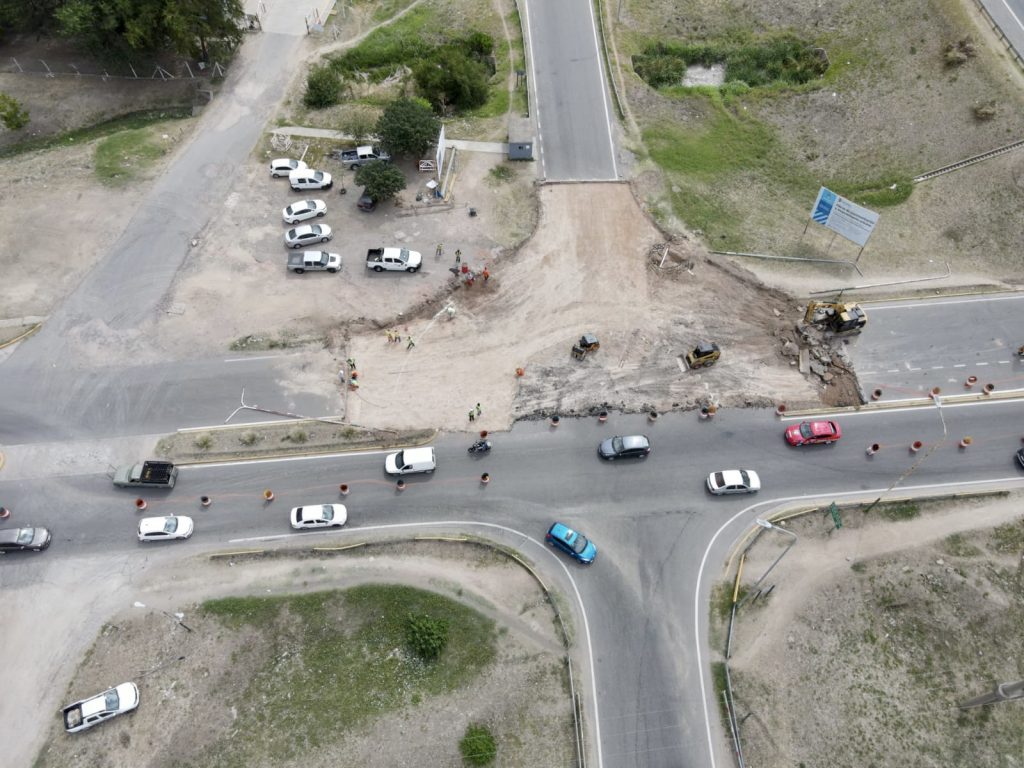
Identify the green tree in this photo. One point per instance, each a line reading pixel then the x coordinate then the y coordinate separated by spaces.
pixel 427 636
pixel 451 78
pixel 407 127
pixel 359 122
pixel 192 24
pixel 322 88
pixel 382 181
pixel 12 114
pixel 26 15
pixel 477 746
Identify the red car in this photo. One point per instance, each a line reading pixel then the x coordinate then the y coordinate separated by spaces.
pixel 813 432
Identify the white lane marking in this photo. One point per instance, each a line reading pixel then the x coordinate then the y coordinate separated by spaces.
pixel 941 302
pixel 530 89
pixel 603 83
pixel 697 612
pixel 945 404
pixel 893 370
pixel 1004 362
pixel 960 365
pixel 913 369
pixel 514 532
pixel 938 367
pixel 980 364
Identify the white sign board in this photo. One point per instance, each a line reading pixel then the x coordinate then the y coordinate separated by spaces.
pixel 439 159
pixel 843 217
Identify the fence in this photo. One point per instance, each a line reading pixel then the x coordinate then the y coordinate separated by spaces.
pixel 156 71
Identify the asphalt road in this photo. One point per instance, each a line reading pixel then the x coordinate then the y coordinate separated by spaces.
pixel 1009 17
pixel 572 107
pixel 908 347
pixel 651 519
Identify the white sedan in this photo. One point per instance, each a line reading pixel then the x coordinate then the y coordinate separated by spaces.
pixel 319 516
pixel 282 166
pixel 304 209
pixel 307 234
pixel 734 481
pixel 165 528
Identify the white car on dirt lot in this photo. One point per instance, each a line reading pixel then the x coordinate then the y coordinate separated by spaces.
pixel 307 234
pixel 100 708
pixel 283 166
pixel 319 516
pixel 304 209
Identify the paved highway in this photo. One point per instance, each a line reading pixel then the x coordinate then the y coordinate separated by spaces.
pixel 908 347
pixel 572 107
pixel 1009 17
pixel 651 519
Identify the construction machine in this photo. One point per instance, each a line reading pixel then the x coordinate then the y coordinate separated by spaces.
pixel 705 354
pixel 588 343
pixel 837 317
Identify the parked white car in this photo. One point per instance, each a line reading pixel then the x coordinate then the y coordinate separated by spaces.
pixel 307 234
pixel 283 166
pixel 307 178
pixel 319 516
pixel 734 481
pixel 165 528
pixel 100 708
pixel 304 209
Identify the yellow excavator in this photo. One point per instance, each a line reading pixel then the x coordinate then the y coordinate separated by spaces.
pixel 838 318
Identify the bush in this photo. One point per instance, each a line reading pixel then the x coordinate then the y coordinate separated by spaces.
pixel 359 123
pixel 477 746
pixel 323 88
pixel 382 181
pixel 451 79
pixel 249 438
pixel 427 636
pixel 13 116
pixel 203 442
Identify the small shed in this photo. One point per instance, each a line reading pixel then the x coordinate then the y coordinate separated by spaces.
pixel 520 139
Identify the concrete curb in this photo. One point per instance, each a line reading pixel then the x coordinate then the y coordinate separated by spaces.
pixel 916 402
pixel 22 337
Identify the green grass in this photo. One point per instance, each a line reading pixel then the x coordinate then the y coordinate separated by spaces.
pixel 958 546
pixel 121 157
pixel 341 656
pixel 1009 538
pixel 903 510
pixel 127 122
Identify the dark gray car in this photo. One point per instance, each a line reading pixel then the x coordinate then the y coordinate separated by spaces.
pixel 627 447
pixel 20 539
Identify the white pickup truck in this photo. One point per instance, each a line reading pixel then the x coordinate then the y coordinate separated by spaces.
pixel 313 261
pixel 100 708
pixel 396 259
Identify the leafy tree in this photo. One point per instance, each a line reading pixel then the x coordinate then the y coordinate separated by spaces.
pixel 426 635
pixel 477 746
pixel 120 27
pixel 322 88
pixel 407 127
pixel 451 78
pixel 26 15
pixel 12 114
pixel 192 24
pixel 382 181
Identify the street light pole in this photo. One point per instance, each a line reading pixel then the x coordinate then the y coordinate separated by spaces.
pixel 768 526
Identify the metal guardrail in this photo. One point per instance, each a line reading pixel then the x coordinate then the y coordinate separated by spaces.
pixel 969 161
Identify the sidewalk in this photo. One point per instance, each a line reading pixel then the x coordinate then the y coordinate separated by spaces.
pixel 493 147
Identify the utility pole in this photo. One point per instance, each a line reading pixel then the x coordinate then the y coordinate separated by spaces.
pixel 1002 692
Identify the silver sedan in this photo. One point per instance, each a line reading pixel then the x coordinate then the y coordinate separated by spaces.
pixel 734 481
pixel 307 234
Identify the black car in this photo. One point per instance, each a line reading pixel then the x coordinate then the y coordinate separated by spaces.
pixel 1020 457
pixel 628 447
pixel 366 203
pixel 20 539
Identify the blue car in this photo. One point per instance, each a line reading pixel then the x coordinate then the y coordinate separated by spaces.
pixel 574 544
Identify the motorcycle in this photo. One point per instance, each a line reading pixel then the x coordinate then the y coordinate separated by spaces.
pixel 480 446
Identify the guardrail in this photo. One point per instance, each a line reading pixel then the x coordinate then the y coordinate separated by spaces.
pixel 969 161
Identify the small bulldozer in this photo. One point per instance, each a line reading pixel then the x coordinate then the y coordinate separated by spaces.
pixel 838 318
pixel 588 343
pixel 704 355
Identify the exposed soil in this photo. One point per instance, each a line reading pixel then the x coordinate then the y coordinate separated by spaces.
pixel 188 678
pixel 864 648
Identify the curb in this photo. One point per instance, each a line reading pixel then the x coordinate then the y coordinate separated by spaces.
pixel 916 402
pixel 23 336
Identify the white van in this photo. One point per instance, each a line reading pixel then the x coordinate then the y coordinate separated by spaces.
pixel 410 461
pixel 307 178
